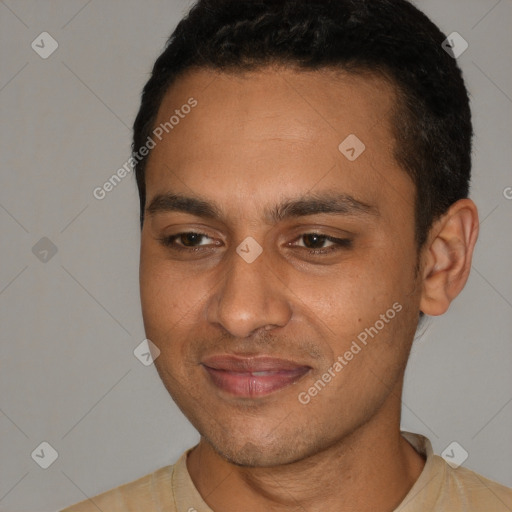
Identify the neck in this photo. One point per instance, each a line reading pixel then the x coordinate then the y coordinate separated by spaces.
pixel 370 470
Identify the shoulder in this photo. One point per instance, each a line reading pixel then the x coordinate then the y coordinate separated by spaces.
pixel 442 488
pixel 445 487
pixel 148 493
pixel 473 492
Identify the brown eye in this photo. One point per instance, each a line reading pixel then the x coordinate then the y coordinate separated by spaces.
pixel 190 239
pixel 184 241
pixel 314 243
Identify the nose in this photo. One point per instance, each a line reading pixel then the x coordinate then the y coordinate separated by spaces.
pixel 249 297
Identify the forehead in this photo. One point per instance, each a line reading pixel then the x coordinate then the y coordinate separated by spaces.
pixel 278 101
pixel 275 130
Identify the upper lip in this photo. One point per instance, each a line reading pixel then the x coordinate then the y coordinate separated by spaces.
pixel 260 363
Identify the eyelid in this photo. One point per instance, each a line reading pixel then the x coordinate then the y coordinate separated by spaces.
pixel 338 244
pixel 169 240
pixel 328 238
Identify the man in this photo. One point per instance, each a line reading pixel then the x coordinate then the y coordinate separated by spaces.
pixel 303 170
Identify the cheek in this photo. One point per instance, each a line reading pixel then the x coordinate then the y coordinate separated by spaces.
pixel 354 294
pixel 167 310
pixel 369 315
pixel 173 303
pixel 164 298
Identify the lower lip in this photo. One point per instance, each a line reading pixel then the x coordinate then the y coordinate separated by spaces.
pixel 249 385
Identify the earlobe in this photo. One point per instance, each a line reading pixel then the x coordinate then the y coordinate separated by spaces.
pixel 447 257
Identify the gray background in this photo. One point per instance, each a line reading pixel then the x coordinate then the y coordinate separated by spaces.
pixel 69 326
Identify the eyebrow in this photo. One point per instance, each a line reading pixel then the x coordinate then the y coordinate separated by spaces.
pixel 309 204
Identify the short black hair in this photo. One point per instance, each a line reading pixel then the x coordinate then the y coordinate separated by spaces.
pixel 431 119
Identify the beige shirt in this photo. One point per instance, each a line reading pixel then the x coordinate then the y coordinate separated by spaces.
pixel 439 488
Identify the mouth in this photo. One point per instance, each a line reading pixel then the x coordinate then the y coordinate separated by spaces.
pixel 252 377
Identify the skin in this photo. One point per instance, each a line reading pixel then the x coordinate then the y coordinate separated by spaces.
pixel 251 142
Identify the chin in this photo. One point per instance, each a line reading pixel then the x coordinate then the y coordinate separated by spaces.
pixel 253 455
pixel 257 453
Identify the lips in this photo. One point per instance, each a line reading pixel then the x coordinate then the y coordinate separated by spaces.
pixel 252 376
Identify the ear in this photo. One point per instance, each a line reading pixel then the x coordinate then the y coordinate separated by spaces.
pixel 447 256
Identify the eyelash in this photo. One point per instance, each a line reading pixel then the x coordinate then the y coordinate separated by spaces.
pixel 340 243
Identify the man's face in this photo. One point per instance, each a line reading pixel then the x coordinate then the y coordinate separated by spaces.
pixel 251 144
